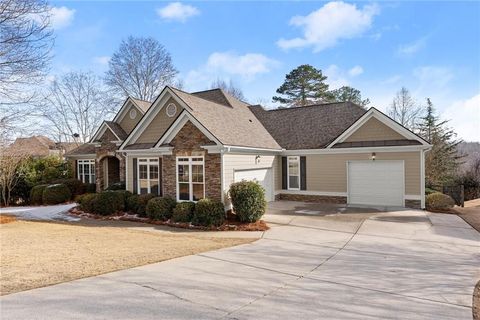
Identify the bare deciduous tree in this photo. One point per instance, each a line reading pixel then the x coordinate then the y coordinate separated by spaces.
pixel 141 67
pixel 404 109
pixel 76 104
pixel 10 162
pixel 229 88
pixel 25 43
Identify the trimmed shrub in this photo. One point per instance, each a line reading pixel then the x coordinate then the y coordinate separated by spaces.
pixel 126 194
pixel 131 203
pixel 248 200
pixel 160 208
pixel 90 187
pixel 208 213
pixel 117 186
pixel 108 202
pixel 56 193
pixel 430 191
pixel 75 186
pixel 36 194
pixel 439 201
pixel 141 207
pixel 86 202
pixel 183 212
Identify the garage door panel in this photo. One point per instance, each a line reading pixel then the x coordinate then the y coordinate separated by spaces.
pixel 263 176
pixel 376 182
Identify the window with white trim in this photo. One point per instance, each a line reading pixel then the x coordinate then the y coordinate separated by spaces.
pixel 148 176
pixel 190 178
pixel 86 170
pixel 293 173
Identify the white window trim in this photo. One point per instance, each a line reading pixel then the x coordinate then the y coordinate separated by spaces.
pixel 148 162
pixel 190 162
pixel 90 162
pixel 293 159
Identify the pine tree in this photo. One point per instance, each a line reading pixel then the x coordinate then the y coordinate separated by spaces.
pixel 442 161
pixel 350 94
pixel 304 85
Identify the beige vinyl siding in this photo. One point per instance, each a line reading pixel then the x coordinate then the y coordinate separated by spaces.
pixel 374 130
pixel 232 162
pixel 160 123
pixel 127 123
pixel 328 173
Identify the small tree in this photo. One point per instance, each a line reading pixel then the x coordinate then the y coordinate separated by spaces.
pixel 442 161
pixel 349 94
pixel 404 109
pixel 141 67
pixel 10 162
pixel 229 88
pixel 304 85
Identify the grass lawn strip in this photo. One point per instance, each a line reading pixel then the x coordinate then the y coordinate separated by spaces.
pixel 37 254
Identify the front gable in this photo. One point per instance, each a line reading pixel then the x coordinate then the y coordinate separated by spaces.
pixel 104 134
pixel 129 116
pixel 160 122
pixel 375 129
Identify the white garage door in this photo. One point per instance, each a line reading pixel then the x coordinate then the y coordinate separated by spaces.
pixel 376 182
pixel 263 176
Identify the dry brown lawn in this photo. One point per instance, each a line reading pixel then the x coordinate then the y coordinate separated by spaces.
pixel 37 254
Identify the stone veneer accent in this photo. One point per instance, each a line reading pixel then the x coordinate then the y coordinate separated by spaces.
pixel 188 142
pixel 104 152
pixel 311 198
pixel 414 204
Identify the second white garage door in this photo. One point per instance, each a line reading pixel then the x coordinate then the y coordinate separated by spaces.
pixel 376 182
pixel 263 176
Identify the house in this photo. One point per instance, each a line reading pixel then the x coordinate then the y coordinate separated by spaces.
pixel 194 145
pixel 41 146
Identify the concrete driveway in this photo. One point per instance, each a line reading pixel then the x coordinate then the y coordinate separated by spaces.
pixel 44 213
pixel 316 262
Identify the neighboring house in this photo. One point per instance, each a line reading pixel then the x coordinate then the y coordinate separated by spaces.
pixel 41 146
pixel 194 145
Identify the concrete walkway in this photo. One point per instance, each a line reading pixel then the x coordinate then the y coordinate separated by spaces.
pixel 316 262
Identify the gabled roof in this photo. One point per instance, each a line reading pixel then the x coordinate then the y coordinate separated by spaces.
pixel 86 148
pixel 229 120
pixel 309 127
pixel 117 130
pixel 142 104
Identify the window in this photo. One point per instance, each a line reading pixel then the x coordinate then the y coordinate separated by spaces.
pixel 148 176
pixel 190 178
pixel 86 170
pixel 293 173
pixel 171 110
pixel 133 113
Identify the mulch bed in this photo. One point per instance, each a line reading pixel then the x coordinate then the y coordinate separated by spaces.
pixel 5 218
pixel 230 223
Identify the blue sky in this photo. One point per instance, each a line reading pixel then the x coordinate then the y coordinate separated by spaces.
pixel 431 48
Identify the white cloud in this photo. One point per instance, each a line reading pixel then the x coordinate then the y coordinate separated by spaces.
pixel 334 21
pixel 247 65
pixel 61 17
pixel 355 71
pixel 228 65
pixel 412 48
pixel 102 60
pixel 432 78
pixel 464 118
pixel 176 11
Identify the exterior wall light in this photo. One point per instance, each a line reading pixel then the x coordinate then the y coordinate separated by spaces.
pixel 257 159
pixel 373 156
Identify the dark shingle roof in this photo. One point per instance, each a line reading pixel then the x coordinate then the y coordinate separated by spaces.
pixel 378 143
pixel 121 134
pixel 232 124
pixel 86 148
pixel 139 146
pixel 308 127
